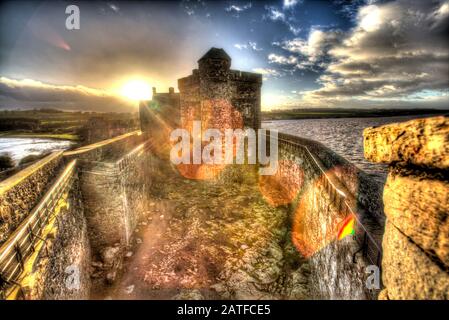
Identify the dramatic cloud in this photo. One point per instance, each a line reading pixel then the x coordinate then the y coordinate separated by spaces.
pixel 350 53
pixel 274 58
pixel 396 51
pixel 241 46
pixel 274 14
pixel 253 45
pixel 193 8
pixel 318 43
pixel 30 93
pixel 114 7
pixel 238 8
pixel 268 73
pixel 291 3
pixel 249 45
pixel 313 52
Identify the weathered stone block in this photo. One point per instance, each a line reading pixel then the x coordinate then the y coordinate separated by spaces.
pixel 418 205
pixel 383 295
pixel 422 142
pixel 408 272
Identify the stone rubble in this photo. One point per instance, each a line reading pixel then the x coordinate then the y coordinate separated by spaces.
pixel 212 240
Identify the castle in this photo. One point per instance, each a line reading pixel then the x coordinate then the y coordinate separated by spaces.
pixel 214 94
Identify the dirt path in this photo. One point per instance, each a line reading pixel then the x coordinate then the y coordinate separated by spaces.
pixel 208 241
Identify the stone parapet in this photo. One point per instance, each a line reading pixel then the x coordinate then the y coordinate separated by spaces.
pixel 421 142
pixel 408 272
pixel 22 191
pixel 107 150
pixel 338 266
pixel 416 203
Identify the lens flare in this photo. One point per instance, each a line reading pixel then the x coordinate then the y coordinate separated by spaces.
pixel 347 228
pixel 309 234
pixel 282 188
pixel 215 114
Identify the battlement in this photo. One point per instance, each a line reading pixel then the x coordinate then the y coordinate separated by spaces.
pixel 171 92
pixel 237 75
pixel 189 80
pixel 163 104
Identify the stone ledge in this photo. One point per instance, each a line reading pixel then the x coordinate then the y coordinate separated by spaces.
pixel 102 144
pixel 20 176
pixel 422 142
pixel 22 191
pixel 419 207
pixel 408 273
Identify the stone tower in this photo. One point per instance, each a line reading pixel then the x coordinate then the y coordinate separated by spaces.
pixel 221 93
pixel 163 109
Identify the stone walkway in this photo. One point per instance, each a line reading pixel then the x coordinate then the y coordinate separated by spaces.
pixel 210 241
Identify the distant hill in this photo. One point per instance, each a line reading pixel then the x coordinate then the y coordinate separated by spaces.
pixel 58 124
pixel 320 113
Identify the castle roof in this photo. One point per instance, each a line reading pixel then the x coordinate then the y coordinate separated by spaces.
pixel 216 54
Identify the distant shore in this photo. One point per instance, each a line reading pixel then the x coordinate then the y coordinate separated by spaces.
pixel 55 136
pixel 323 113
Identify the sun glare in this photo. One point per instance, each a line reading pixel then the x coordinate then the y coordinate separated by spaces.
pixel 136 90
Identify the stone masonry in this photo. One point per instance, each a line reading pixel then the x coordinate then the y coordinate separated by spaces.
pixel 416 198
pixel 162 109
pixel 214 91
pixel 22 191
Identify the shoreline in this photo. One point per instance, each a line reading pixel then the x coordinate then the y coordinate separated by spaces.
pixel 31 135
pixel 305 115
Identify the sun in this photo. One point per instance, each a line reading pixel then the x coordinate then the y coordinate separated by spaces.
pixel 136 90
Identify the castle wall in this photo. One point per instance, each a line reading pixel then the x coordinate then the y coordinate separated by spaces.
pixel 219 95
pixel 416 199
pixel 60 268
pixel 22 191
pixel 162 111
pixel 114 200
pixel 95 218
pixel 338 268
pixel 107 150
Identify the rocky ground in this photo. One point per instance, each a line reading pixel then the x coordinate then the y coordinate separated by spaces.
pixel 203 240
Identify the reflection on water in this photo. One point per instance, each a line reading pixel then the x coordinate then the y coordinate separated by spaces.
pixel 343 135
pixel 19 148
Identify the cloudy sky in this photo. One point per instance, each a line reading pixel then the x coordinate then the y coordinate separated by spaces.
pixel 367 54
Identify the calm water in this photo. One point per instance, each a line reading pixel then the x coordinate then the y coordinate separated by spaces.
pixel 344 136
pixel 19 148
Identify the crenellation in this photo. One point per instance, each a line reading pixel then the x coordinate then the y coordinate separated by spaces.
pixel 244 76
